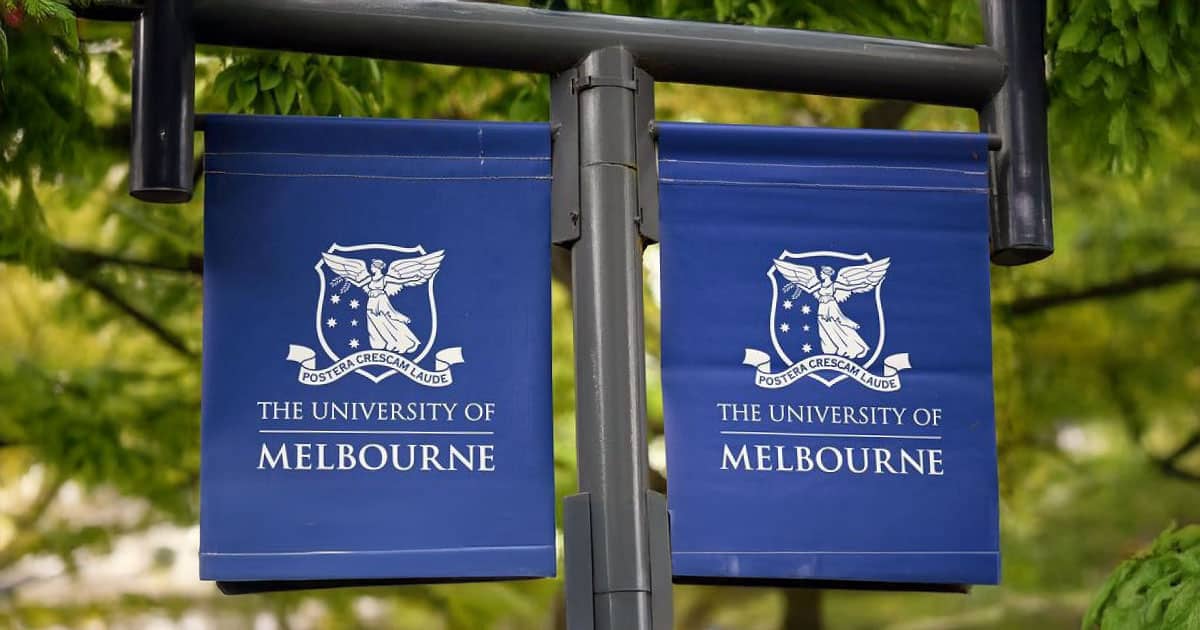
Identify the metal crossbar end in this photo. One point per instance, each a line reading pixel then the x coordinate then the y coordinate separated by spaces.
pixel 164 51
pixel 1021 227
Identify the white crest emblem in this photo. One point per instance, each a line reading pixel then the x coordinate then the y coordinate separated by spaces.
pixel 376 316
pixel 820 329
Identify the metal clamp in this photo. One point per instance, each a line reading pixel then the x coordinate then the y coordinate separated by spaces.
pixel 646 140
pixel 564 159
pixel 565 88
pixel 577 554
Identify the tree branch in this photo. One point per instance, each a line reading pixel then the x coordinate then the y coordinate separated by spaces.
pixel 1171 469
pixel 1135 425
pixel 1170 464
pixel 121 304
pixel 1155 279
pixel 1187 446
pixel 885 114
pixel 67 257
pixel 83 258
pixel 79 265
pixel 46 495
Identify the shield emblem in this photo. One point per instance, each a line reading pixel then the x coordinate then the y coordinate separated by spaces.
pixel 343 323
pixel 796 329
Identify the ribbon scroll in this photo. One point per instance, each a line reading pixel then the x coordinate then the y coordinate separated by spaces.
pixel 395 362
pixel 889 381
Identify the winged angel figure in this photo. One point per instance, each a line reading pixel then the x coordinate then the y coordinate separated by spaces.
pixel 387 327
pixel 839 334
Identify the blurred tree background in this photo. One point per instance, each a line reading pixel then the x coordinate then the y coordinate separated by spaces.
pixel 1096 349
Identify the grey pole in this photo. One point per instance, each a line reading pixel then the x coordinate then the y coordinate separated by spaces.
pixel 160 165
pixel 1021 227
pixel 610 346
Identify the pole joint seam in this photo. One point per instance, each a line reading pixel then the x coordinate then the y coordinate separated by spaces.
pixel 592 81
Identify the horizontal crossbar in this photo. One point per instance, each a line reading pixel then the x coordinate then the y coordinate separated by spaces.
pixel 534 40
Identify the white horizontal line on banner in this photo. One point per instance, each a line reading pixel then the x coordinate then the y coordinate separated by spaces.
pixel 827 166
pixel 374 432
pixel 365 552
pixel 885 187
pixel 835 435
pixel 851 553
pixel 395 177
pixel 385 155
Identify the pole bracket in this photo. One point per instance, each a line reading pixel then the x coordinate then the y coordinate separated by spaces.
pixel 646 144
pixel 577 561
pixel 661 608
pixel 564 159
pixel 565 88
pixel 577 551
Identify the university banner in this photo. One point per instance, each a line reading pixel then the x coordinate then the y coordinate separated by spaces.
pixel 826 356
pixel 376 400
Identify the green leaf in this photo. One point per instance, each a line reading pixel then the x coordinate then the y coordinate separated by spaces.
pixel 322 96
pixel 1133 52
pixel 285 95
pixel 264 104
pixel 223 82
pixel 1113 49
pixel 1073 34
pixel 1153 39
pixel 1116 84
pixel 1091 72
pixel 1118 126
pixel 347 100
pixel 269 77
pixel 3 46
pixel 1181 14
pixel 247 72
pixel 374 74
pixel 1182 612
pixel 245 96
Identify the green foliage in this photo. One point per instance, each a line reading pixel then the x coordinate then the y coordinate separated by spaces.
pixel 52 13
pixel 44 133
pixel 1157 589
pixel 1119 70
pixel 933 20
pixel 296 83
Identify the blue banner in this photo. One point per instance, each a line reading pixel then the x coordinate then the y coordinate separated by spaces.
pixel 376 398
pixel 827 355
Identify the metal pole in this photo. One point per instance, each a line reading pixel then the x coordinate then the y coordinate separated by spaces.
pixel 609 344
pixel 164 50
pixel 516 38
pixel 1021 227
